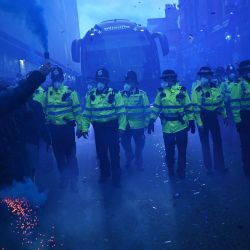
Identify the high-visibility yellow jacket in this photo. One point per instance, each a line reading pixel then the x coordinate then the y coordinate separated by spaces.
pixel 195 84
pixel 226 88
pixel 207 98
pixel 137 108
pixel 174 107
pixel 240 99
pixel 39 95
pixel 104 107
pixel 62 106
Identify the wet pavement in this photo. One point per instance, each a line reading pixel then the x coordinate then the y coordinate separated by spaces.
pixel 149 211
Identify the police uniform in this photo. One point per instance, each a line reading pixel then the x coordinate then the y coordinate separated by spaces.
pixel 228 86
pixel 195 84
pixel 172 104
pixel 208 102
pixel 225 91
pixel 39 95
pixel 240 105
pixel 138 116
pixel 62 109
pixel 106 112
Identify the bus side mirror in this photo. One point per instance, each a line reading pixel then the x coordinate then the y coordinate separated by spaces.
pixel 163 42
pixel 76 50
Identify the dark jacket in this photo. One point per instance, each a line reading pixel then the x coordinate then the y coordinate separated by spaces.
pixel 12 98
pixel 12 123
pixel 35 126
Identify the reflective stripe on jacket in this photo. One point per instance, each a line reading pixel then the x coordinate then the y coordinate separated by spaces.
pixel 137 108
pixel 240 99
pixel 173 106
pixel 207 98
pixel 62 106
pixel 104 107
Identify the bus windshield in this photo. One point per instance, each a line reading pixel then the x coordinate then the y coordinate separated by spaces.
pixel 119 52
pixel 114 40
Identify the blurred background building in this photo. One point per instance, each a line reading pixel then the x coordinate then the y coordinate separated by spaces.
pixel 205 32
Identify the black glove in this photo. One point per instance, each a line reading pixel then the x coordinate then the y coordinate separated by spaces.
pixel 239 127
pixel 192 126
pixel 151 127
pixel 80 134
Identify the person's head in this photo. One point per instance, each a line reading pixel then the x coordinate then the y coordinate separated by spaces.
pixel 57 77
pixel 102 79
pixel 214 81
pixel 244 70
pixel 220 73
pixel 205 74
pixel 90 83
pixel 130 81
pixel 231 73
pixel 168 77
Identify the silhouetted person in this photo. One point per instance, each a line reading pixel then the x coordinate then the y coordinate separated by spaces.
pixel 12 143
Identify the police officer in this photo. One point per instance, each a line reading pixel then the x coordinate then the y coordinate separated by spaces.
pixel 220 74
pixel 240 104
pixel 172 104
pixel 105 110
pixel 38 96
pixel 138 116
pixel 63 110
pixel 208 103
pixel 196 82
pixel 226 86
pixel 90 84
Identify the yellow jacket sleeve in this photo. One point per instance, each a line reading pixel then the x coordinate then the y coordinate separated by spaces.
pixel 235 102
pixel 196 108
pixel 147 110
pixel 120 111
pixel 222 110
pixel 188 108
pixel 157 107
pixel 77 110
pixel 39 96
pixel 87 115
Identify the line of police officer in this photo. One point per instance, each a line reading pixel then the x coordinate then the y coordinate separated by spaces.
pixel 126 115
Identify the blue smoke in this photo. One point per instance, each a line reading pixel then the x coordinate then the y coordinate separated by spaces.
pixel 26 189
pixel 32 13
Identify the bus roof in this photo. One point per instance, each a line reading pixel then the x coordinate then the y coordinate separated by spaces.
pixel 115 25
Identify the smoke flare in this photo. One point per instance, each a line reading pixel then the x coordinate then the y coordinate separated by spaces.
pixel 32 13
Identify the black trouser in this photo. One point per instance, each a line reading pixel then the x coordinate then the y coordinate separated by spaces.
pixel 179 139
pixel 139 139
pixel 64 147
pixel 211 124
pixel 244 133
pixel 107 144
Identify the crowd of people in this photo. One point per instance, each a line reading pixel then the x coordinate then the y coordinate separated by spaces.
pixel 29 112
